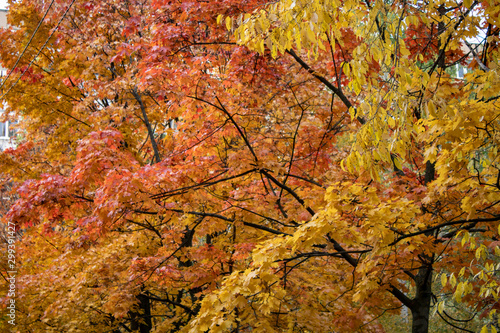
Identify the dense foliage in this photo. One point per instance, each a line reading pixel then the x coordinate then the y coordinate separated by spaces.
pixel 245 165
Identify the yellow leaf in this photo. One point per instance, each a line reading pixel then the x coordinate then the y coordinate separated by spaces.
pixel 262 47
pixel 453 280
pixel 441 307
pixel 408 78
pixel 352 112
pixel 356 86
pixel 377 55
pixel 391 121
pixel 310 35
pixel 465 238
pixel 346 68
pixel 443 279
pixel 466 205
pixel 479 252
pixel 397 163
pixel 219 18
pixel 404 51
pixel 460 290
pixel 432 109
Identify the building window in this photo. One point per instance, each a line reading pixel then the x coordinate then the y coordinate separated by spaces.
pixel 4 130
pixel 461 71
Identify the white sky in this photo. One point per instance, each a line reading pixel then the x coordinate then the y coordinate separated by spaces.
pixel 3 4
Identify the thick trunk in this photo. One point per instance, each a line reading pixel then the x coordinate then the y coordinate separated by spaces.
pixel 420 317
pixel 421 304
pixel 141 320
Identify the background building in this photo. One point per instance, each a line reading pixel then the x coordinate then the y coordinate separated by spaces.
pixel 6 132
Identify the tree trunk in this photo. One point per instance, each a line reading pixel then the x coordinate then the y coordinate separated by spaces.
pixel 141 320
pixel 421 304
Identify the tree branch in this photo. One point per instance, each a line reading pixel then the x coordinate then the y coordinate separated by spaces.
pixel 327 83
pixel 137 96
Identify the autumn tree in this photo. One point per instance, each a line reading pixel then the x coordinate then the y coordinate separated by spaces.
pixel 229 166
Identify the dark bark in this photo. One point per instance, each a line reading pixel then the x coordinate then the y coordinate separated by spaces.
pixel 421 304
pixel 145 119
pixel 141 319
pixel 429 172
